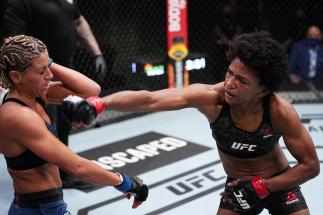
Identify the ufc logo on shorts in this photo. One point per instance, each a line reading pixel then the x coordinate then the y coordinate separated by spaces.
pixel 243 146
pixel 242 202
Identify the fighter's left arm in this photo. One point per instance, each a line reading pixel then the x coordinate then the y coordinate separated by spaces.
pixel 69 82
pixel 298 142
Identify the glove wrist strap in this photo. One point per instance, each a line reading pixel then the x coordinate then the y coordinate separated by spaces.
pixel 258 183
pixel 120 177
pixel 125 184
pixel 98 103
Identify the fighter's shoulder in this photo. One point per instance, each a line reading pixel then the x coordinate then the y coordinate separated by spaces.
pixel 13 114
pixel 279 104
pixel 282 110
pixel 218 88
pixel 213 90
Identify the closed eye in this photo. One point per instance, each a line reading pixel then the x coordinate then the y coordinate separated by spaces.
pixel 241 79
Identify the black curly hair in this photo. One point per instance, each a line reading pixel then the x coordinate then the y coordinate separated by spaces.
pixel 264 56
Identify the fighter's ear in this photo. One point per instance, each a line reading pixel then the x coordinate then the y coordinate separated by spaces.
pixel 15 76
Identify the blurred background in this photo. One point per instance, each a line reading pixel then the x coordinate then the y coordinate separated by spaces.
pixel 132 37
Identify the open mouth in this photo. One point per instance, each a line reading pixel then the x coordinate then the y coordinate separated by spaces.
pixel 45 86
pixel 229 94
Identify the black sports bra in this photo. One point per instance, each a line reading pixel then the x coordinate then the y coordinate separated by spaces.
pixel 243 144
pixel 27 159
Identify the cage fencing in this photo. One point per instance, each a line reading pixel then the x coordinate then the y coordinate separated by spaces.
pixel 132 37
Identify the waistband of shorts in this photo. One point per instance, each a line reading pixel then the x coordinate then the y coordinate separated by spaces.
pixel 35 199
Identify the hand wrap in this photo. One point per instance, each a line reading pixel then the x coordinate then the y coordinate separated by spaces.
pixel 247 194
pixel 79 110
pixel 135 186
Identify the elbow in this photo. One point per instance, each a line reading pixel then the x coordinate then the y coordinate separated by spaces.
pixel 77 170
pixel 96 90
pixel 93 90
pixel 314 167
pixel 316 170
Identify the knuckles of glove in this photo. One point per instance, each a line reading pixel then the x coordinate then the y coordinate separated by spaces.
pixel 87 114
pixel 138 189
pixel 79 113
pixel 241 195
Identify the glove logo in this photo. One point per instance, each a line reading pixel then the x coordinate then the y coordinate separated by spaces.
pixel 242 202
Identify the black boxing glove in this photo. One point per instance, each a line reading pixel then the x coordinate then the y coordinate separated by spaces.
pixel 133 185
pixel 247 194
pixel 78 110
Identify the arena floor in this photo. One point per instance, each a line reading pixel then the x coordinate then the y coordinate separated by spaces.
pixel 174 153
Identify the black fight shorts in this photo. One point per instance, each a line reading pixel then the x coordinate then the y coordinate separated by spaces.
pixel 277 203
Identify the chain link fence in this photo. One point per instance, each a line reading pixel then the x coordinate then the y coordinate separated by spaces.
pixel 132 36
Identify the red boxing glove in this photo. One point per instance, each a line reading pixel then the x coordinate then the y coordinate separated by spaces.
pixel 258 184
pixel 246 195
pixel 97 103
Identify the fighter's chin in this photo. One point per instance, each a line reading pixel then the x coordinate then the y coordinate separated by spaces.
pixel 43 95
pixel 230 100
pixel 44 98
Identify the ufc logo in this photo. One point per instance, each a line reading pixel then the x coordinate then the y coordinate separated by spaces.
pixel 242 202
pixel 243 146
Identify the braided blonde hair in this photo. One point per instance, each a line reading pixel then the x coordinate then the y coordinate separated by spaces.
pixel 17 54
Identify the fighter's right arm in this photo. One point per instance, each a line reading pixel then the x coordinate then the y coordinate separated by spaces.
pixel 195 95
pixel 199 96
pixel 33 133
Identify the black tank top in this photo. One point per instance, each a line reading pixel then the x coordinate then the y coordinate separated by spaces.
pixel 27 159
pixel 242 144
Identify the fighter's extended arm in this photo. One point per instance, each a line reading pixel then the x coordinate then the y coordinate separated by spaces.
pixel 85 111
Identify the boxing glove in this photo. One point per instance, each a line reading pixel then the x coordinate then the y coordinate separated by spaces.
pixel 247 194
pixel 133 185
pixel 79 110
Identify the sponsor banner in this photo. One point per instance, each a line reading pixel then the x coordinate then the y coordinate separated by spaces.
pixel 177 36
pixel 142 153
